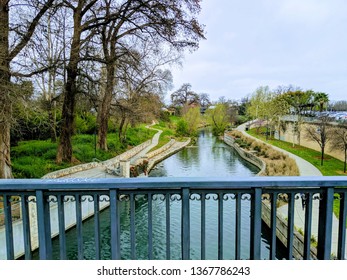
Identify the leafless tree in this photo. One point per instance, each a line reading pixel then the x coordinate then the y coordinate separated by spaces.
pixel 205 100
pixel 320 132
pixel 142 82
pixel 339 141
pixel 184 96
pixel 173 22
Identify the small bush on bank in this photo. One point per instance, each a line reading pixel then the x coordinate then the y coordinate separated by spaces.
pixel 182 128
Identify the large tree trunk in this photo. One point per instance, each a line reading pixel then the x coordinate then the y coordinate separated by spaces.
pixel 5 102
pixel 64 153
pixel 105 107
pixel 121 126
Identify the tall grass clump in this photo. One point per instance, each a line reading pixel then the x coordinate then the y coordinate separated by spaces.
pixel 277 163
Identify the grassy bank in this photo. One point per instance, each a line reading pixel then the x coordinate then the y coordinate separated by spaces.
pixel 33 159
pixel 169 131
pixel 331 166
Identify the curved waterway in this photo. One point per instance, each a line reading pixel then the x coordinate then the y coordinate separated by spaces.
pixel 209 158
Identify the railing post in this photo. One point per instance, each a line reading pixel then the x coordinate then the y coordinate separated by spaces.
pixel 150 227
pixel 26 227
pixel 290 229
pixel 185 238
pixel 203 226
pixel 256 224
pixel 8 227
pixel 308 224
pixel 168 227
pixel 79 229
pixel 61 218
pixel 342 227
pixel 325 224
pixel 220 226
pixel 115 229
pixel 97 226
pixel 238 227
pixel 273 226
pixel 44 226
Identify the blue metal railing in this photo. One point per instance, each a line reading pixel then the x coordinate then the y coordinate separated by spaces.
pixel 47 205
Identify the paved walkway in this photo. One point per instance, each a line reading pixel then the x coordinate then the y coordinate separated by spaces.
pixel 155 141
pixel 306 169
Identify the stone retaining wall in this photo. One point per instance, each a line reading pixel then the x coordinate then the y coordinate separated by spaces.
pixel 71 170
pixel 162 149
pixel 244 154
pixel 167 153
pixel 127 155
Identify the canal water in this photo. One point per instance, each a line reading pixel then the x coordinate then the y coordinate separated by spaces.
pixel 209 158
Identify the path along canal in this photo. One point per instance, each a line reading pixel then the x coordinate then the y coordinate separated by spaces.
pixel 210 157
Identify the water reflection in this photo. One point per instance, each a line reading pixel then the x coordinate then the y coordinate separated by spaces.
pixel 210 158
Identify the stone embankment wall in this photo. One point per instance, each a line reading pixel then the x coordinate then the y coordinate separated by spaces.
pixel 111 163
pixel 281 223
pixel 71 170
pixel 244 154
pixel 177 146
pixel 162 149
pixel 156 152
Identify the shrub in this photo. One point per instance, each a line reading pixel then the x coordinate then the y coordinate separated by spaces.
pixel 277 163
pixel 182 128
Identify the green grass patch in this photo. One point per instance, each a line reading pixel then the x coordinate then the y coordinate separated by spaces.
pixel 165 137
pixel 34 159
pixel 169 132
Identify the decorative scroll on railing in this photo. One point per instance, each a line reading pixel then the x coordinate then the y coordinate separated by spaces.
pixel 171 218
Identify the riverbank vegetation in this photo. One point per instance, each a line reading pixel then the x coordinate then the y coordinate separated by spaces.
pixel 35 158
pixel 333 167
pixel 277 163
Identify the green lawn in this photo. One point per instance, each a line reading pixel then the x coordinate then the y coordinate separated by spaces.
pixel 169 131
pixel 35 158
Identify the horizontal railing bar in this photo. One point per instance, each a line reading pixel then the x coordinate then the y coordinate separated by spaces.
pixel 173 182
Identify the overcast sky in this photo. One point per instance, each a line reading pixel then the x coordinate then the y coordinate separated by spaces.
pixel 252 43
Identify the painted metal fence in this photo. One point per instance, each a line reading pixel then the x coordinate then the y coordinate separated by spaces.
pixel 44 194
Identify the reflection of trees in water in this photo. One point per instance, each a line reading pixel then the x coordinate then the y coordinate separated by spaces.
pixel 189 156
